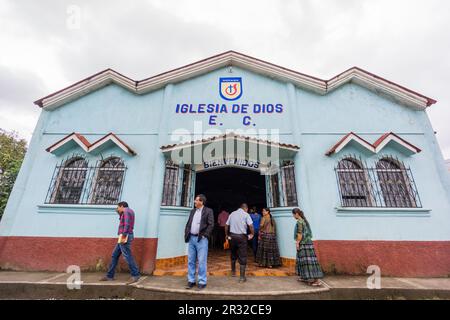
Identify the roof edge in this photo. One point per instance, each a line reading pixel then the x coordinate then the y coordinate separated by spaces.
pixel 367 79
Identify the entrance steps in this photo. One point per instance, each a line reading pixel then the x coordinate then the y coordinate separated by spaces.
pixel 219 265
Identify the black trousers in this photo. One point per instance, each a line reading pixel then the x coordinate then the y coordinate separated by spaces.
pixel 221 237
pixel 238 247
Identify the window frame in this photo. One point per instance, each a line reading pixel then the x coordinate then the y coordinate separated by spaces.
pixel 362 179
pixel 89 186
pixel 63 168
pixel 375 186
pixel 99 168
pixel 400 172
pixel 177 191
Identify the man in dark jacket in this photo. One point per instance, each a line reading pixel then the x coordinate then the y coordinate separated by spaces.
pixel 197 232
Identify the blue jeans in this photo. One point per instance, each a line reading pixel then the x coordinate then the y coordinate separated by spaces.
pixel 125 250
pixel 197 250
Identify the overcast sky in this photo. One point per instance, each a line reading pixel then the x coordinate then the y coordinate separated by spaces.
pixel 45 47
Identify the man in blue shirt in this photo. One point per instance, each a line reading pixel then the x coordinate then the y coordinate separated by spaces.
pixel 197 233
pixel 256 218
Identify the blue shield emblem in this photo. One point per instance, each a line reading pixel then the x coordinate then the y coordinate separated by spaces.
pixel 230 88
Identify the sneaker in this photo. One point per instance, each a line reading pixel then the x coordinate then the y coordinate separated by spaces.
pixel 202 286
pixel 133 279
pixel 190 285
pixel 105 278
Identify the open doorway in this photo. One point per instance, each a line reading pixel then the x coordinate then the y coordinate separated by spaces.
pixel 226 189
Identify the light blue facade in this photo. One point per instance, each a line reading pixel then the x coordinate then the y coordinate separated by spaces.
pixel 311 121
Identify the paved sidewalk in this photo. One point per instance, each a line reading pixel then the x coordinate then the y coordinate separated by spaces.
pixel 45 285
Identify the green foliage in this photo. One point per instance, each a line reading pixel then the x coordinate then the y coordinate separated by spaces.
pixel 12 152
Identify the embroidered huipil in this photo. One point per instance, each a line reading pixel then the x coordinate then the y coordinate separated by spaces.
pixel 302 231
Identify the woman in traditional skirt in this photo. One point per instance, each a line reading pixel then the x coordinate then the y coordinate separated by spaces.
pixel 268 254
pixel 307 266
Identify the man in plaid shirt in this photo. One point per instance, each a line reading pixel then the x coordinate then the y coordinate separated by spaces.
pixel 123 246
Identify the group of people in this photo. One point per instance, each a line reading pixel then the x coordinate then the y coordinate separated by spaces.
pixel 240 227
pixel 264 242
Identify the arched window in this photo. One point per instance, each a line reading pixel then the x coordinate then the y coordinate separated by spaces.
pixel 70 181
pixel 353 183
pixel 394 183
pixel 108 181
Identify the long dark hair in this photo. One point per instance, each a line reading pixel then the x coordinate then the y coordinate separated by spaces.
pixel 270 215
pixel 301 214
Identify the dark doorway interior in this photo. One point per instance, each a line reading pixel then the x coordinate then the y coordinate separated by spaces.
pixel 227 188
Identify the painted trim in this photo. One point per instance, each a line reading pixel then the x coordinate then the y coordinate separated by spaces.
pixel 357 75
pixel 89 147
pixel 113 138
pixel 382 212
pixel 76 209
pixel 282 212
pixel 225 137
pixel 375 147
pixel 75 137
pixel 390 136
pixel 175 211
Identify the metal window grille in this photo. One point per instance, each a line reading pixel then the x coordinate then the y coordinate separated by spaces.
pixel 389 184
pixel 397 185
pixel 169 197
pixel 75 182
pixel 353 183
pixel 108 181
pixel 186 198
pixel 289 183
pixel 275 191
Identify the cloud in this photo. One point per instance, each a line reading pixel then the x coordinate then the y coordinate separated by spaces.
pixel 19 88
pixel 138 40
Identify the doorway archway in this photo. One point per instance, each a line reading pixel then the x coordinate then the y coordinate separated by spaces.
pixel 226 189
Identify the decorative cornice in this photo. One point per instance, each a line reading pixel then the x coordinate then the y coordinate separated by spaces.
pixel 231 58
pixel 375 147
pixel 223 137
pixel 89 147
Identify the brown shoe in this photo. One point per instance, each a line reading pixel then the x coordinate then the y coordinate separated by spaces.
pixel 133 280
pixel 105 278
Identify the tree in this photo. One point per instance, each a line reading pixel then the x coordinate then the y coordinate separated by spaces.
pixel 12 152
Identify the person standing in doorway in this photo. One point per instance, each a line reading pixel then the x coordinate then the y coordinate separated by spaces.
pixel 197 232
pixel 123 246
pixel 256 218
pixel 268 252
pixel 221 221
pixel 307 266
pixel 236 232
